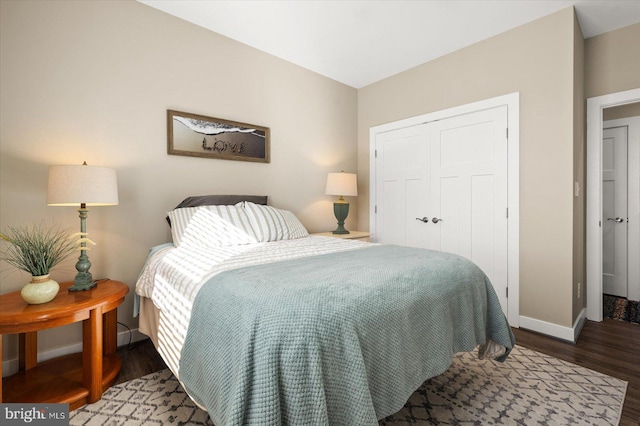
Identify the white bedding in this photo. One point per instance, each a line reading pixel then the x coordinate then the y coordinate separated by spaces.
pixel 173 276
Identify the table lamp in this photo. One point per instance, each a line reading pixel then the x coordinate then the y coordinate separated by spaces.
pixel 342 184
pixel 84 186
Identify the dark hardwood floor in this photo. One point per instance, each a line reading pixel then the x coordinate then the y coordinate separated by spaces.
pixel 610 347
pixel 139 359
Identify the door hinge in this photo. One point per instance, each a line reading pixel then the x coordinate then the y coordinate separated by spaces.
pixel 507 212
pixel 507 132
pixel 507 292
pixel 375 209
pixel 375 153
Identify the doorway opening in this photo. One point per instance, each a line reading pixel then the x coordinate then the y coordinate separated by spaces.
pixel 610 243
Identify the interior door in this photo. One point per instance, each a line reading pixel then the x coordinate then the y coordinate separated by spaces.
pixel 469 191
pixel 443 186
pixel 402 182
pixel 614 211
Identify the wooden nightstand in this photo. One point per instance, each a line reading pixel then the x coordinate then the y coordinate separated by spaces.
pixel 75 379
pixel 352 235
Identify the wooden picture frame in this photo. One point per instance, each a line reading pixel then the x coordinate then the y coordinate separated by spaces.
pixel 196 135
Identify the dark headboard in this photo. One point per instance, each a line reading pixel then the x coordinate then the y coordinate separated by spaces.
pixel 219 200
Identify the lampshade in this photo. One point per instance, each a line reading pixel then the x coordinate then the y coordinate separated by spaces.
pixel 344 184
pixel 75 185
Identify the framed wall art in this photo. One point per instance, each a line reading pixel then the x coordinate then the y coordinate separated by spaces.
pixel 199 136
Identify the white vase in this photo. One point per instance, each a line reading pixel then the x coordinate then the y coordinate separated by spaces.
pixel 41 289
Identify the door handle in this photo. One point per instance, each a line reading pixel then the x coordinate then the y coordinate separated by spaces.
pixel 436 220
pixel 424 219
pixel 617 219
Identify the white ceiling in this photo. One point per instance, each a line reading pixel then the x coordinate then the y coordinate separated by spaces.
pixel 360 42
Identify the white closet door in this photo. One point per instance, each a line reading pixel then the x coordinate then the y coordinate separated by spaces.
pixel 614 211
pixel 452 172
pixel 469 191
pixel 402 183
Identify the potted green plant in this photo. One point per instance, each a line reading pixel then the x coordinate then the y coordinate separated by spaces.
pixel 36 249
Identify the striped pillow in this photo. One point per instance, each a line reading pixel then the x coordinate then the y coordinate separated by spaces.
pixel 233 228
pixel 296 228
pixel 271 224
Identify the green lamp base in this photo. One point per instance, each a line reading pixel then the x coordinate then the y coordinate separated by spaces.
pixel 83 281
pixel 341 210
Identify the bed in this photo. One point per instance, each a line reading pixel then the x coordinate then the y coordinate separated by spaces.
pixel 263 323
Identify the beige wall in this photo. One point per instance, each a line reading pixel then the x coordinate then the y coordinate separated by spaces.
pixel 623 111
pixel 579 146
pixel 537 60
pixel 93 80
pixel 612 62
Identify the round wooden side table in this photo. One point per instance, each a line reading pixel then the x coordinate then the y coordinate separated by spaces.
pixel 75 379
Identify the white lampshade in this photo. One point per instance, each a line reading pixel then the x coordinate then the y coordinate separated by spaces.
pixel 75 185
pixel 343 184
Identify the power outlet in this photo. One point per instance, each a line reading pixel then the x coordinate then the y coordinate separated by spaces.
pixel 579 290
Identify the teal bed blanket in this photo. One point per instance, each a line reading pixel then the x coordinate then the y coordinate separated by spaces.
pixel 335 339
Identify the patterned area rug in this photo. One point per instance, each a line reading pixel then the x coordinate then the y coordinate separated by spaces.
pixel 529 388
pixel 620 309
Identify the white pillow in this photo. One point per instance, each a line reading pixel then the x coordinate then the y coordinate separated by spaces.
pixel 207 230
pixel 296 228
pixel 271 224
pixel 230 225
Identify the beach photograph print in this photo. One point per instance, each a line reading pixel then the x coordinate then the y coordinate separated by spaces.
pixel 199 136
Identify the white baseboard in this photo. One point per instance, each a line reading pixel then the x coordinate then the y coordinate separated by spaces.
pixel 561 332
pixel 10 367
pixel 579 323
